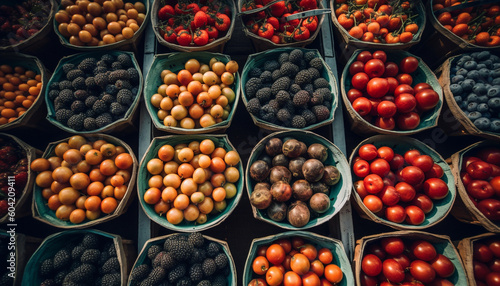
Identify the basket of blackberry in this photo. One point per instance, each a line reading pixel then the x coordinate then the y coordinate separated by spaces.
pixel 79 257
pixel 94 92
pixel 184 259
pixel 289 88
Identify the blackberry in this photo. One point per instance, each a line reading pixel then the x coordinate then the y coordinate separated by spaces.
pixel 117 109
pixel 298 122
pixel 204 283
pixel 90 113
pixel 59 277
pixel 253 106
pixel 314 73
pixel 99 69
pixel 157 259
pixel 157 275
pixel 111 249
pixel 123 84
pixel 266 77
pixel 289 69
pixel 268 116
pixel 316 99
pixel 168 244
pixel 101 80
pixel 182 251
pixel 54 85
pixel 198 256
pixel 276 74
pixel 196 272
pixel 118 74
pixel 196 239
pixel 46 268
pixel 263 94
pixel 209 267
pixel 283 115
pixel 90 256
pixel 83 273
pixel 102 64
pixel 177 273
pixel 303 77
pixel 184 281
pixel 107 58
pixel 67 67
pixel 111 265
pixel 290 107
pixel 301 98
pixel 296 56
pixel 321 83
pixel 283 57
pixel 283 83
pixel 133 75
pixel 103 258
pixel 316 63
pixel 87 65
pixel 327 104
pixel 255 72
pixel 99 106
pixel 294 88
pixel 111 279
pixel 116 66
pixel 107 98
pixel 274 104
pixel 124 60
pixel 73 74
pixel 221 261
pixel 65 84
pixel 80 94
pixel 325 92
pixel 167 261
pixel 125 97
pixel 308 56
pixel 53 94
pixel 309 88
pixel 219 280
pixel 58 104
pixel 90 83
pixel 140 272
pixel 66 96
pixel 111 89
pixel 77 252
pixel 269 109
pixel 89 101
pixel 75 122
pixel 322 112
pixel 90 240
pixel 78 106
pixel 153 251
pixel 213 248
pixel 252 86
pixel 309 116
pixel 62 115
pixel 61 259
pixel 282 96
pixel 271 65
pixel 48 282
pixel 302 65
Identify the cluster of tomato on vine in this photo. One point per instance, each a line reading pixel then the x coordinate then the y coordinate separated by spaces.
pixel 193 23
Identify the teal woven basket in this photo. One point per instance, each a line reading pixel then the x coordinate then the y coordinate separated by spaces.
pixel 43 213
pixel 175 62
pixel 59 75
pixel 428 119
pixel 400 145
pixel 144 176
pixel 319 241
pixel 126 44
pixel 441 243
pixel 339 193
pixel 258 60
pixel 143 255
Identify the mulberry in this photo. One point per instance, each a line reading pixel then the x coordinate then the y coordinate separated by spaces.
pixel 89 123
pixel 296 56
pixel 301 98
pixel 321 83
pixel 73 74
pixel 298 122
pixel 75 122
pixel 316 63
pixel 124 60
pixel 283 83
pixel 252 86
pixel 87 65
pixel 271 65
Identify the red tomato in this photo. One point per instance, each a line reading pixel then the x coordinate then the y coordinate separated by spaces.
pixel 435 172
pixel 310 278
pixel 381 55
pixel 391 69
pixel 479 170
pixel 424 202
pixel 184 38
pixel 362 106
pixel 385 123
pixel 301 34
pixel 397 162
pixel 360 189
pixel 376 249
pixel 367 280
pixel 257 282
pixel 285 243
pixel 364 56
pixel 361 168
pixel 309 251
pixel 260 265
pixel 266 30
pixel 435 188
pixel 410 155
pixel 380 167
pixel 311 23
pixel 373 203
pixel 482 253
pixel 274 276
pixel 395 214
pixel 377 87
pixel 405 102
pixel 300 264
pixel 389 196
pixel 356 67
pixel 490 155
pixel 325 256
pixel 493 279
pixel 371 265
pixel 406 191
pixel 402 259
pixel 443 266
pixel 423 250
pixel 393 245
pixel 374 68
pixel 481 270
pixel 421 86
pixel 373 183
pixel 424 162
pixel 354 94
pixel 201 37
pixel 386 109
pixel 427 99
pixel 393 271
pixel 275 254
pixel 408 121
pixel 223 22
pixel 494 246
pixel 385 153
pixel 412 175
pixel 297 242
pixel 403 88
pixel 414 215
pixel 480 189
pixel 408 65
pixel 292 279
pixel 368 152
pixel 360 80
pixel 422 271
pixel 404 78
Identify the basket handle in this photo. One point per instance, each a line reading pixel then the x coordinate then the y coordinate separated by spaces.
pixel 305 14
pixel 464 5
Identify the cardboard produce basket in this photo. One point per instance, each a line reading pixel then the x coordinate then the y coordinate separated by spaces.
pixel 43 213
pixel 466 249
pixel 339 193
pixel 441 243
pixel 400 145
pixel 428 120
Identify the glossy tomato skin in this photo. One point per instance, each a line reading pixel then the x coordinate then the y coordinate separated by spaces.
pixel 392 245
pixel 422 271
pixel 481 270
pixel 395 214
pixel 371 265
pixel 427 99
pixel 405 102
pixel 391 69
pixel 360 80
pixel 408 65
pixel 361 168
pixel 360 189
pixel 424 202
pixel 364 56
pixel 368 152
pixel 362 106
pixel 356 67
pixel 387 109
pixel 479 170
pixel 493 279
pixel 443 266
pixel 275 254
pixel 353 94
pixel 380 167
pixel 377 250
pixel 421 86
pixel 393 271
pixel 414 215
pixel 412 175
pixel 389 196
pixel 387 123
pixel 435 172
pixel 424 162
pixel 410 155
pixel 490 155
pixel 480 189
pixel 381 55
pixel 406 191
pixel 482 252
pixel 402 259
pixel 373 203
pixel 435 188
pixel 385 153
pixel 494 246
pixel 403 88
pixel 408 121
pixel 423 250
pixel 397 162
pixel 367 280
pixel 377 87
pixel 373 183
pixel 374 68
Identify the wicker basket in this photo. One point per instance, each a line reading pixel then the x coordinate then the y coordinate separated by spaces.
pixel 441 243
pixel 53 243
pixel 339 193
pixel 216 46
pixel 466 249
pixel 423 74
pixel 464 209
pixel 33 43
pixel 143 255
pixel 400 145
pixel 115 127
pixel 126 44
pixel 23 248
pixel 144 175
pixel 22 203
pixel 43 213
pixel 34 114
pixel 463 125
pixel 175 62
pixel 262 44
pixel 335 246
pixel 258 60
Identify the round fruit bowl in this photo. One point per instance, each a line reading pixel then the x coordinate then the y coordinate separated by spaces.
pixel 176 62
pixel 69 240
pixel 422 74
pixel 400 145
pixel 321 116
pixel 334 246
pixel 486 243
pixel 42 206
pixel 107 117
pixel 33 32
pixel 466 208
pixel 166 36
pixel 338 193
pixel 190 212
pixel 441 244
pixel 125 38
pixel 160 242
pixel 32 114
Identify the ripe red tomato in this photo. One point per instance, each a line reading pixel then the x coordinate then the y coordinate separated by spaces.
pixel 427 99
pixel 375 102
pixel 297 242
pixel 385 153
pixel 410 155
pixel 385 123
pixel 391 69
pixel 353 94
pixel 406 191
pixel 367 280
pixel 386 108
pixel 380 167
pixel 395 214
pixel 360 80
pixel 376 249
pixel 480 189
pixel 435 172
pixel 422 271
pixel 374 68
pixel 274 276
pixel 403 88
pixel 266 30
pixel 424 202
pixel 356 67
pixel 223 22
pixel 292 278
pixel 405 102
pixel 300 264
pixel 421 86
pixel 362 106
pixel 424 162
pixel 285 243
pixel 408 65
pixel 467 160
pixel 393 83
pixel 373 183
pixel 402 259
pixel 490 208
pixel 301 34
pixel 435 188
pixel 423 250
pixel 493 279
pixel 482 253
pixel 393 245
pixel 412 175
pixel 368 152
pixel 495 265
pixel 408 121
pixel 373 203
pixel 494 246
pixel 361 168
pixel 275 254
pixel 389 196
pixel 377 87
pixel 364 56
pixel 490 155
pixel 184 38
pixel 309 251
pixel 257 282
pixel 371 265
pixel 360 189
pixel 443 266
pixel 481 270
pixel 414 215
pixel 404 78
pixel 393 271
pixel 200 37
pixel 479 170
pixel 260 265
pixel 397 162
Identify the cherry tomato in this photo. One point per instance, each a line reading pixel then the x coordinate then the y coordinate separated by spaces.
pixel 406 191
pixel 424 202
pixel 356 67
pixel 421 86
pixel 368 152
pixel 392 245
pixel 374 68
pixel 404 78
pixel 380 167
pixel 397 162
pixel 371 265
pixel 391 69
pixel 274 276
pixel 482 252
pixel 395 214
pixel 362 106
pixel 275 254
pixel 408 121
pixel 403 88
pixel 423 250
pixel 364 56
pixel 373 203
pixel 393 271
pixel 405 102
pixel 414 215
pixel 435 188
pixel 386 108
pixel 381 55
pixel 443 266
pixel 427 99
pixel 408 65
pixel 354 94
pixel 389 196
pixel 410 155
pixel 422 271
pixel 373 183
pixel 360 80
pixel 377 87
pixel 423 162
pixel 361 168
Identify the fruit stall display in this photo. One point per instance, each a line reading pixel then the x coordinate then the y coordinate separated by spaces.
pixel 480 257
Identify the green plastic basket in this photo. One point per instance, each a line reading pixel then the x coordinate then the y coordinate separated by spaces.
pixel 144 175
pixel 126 44
pixel 400 145
pixel 334 245
pixel 43 213
pixel 175 62
pixel 351 41
pixel 75 59
pixel 258 60
pixel 57 241
pixel 441 243
pixel 160 240
pixel 428 120
pixel 339 193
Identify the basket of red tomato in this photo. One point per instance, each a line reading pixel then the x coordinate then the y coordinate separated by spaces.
pixel 407 258
pixel 401 182
pixel 480 255
pixel 391 92
pixel 269 28
pixel 477 172
pixel 193 25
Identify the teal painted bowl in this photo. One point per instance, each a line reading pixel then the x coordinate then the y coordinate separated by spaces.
pixel 213 218
pixel 339 193
pixel 428 119
pixel 319 241
pixel 175 62
pixel 400 145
